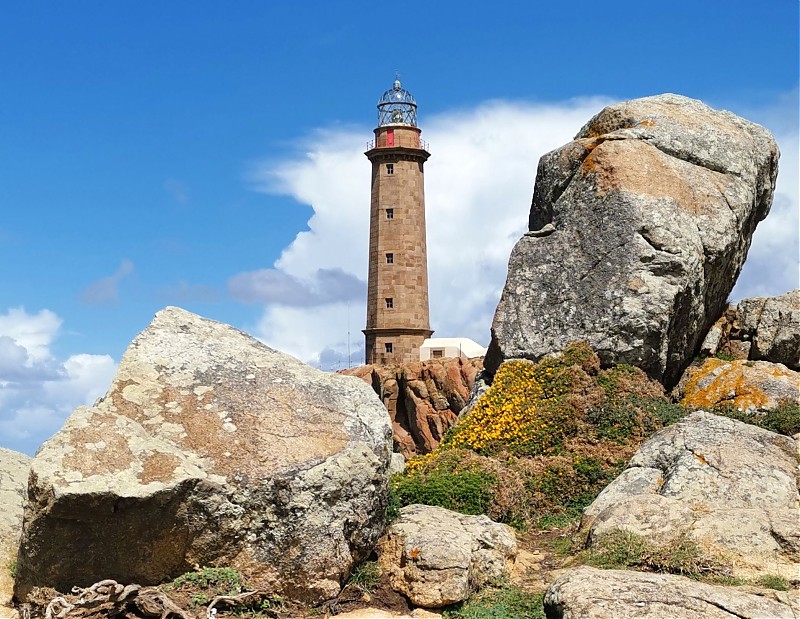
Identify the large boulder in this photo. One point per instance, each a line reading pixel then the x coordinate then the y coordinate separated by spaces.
pixel 210 449
pixel 589 593
pixel 730 486
pixel 423 398
pixel 436 557
pixel 638 231
pixel 14 469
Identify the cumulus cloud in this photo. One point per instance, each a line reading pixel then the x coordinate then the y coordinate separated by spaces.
pixel 37 390
pixel 479 184
pixel 106 289
pixel 773 263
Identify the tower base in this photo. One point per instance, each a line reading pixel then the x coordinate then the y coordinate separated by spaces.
pixel 404 343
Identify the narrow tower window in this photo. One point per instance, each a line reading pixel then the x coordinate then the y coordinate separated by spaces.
pixel 389 168
pixel 389 213
pixel 389 258
pixel 389 302
pixel 387 347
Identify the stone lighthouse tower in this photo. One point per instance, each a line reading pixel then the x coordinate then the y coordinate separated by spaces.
pixel 397 295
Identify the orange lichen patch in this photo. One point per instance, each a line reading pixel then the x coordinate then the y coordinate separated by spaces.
pixel 640 168
pixel 717 381
pixel 648 123
pixel 701 459
pixel 635 283
pixel 158 467
pixel 100 449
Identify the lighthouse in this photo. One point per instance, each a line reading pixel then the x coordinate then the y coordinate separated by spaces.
pixel 397 290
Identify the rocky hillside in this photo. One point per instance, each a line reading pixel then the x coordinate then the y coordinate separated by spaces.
pixel 218 477
pixel 423 398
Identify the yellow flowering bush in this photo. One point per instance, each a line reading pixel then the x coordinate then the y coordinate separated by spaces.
pixel 528 410
pixel 541 442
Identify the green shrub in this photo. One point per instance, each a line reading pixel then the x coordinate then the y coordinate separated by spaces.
pixel 616 420
pixel 783 419
pixel 12 569
pixel 541 443
pixel 223 580
pixel 204 584
pixel 447 479
pixel 504 603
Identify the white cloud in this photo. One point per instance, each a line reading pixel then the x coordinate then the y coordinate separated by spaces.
pixel 479 184
pixel 106 289
pixel 772 263
pixel 38 391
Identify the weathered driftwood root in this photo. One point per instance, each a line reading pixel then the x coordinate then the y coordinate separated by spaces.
pixel 241 599
pixel 108 598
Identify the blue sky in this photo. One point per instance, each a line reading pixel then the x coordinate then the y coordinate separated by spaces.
pixel 209 155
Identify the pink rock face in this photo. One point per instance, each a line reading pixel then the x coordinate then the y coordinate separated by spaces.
pixel 423 398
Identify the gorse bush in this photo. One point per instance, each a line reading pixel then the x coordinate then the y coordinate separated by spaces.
pixel 513 415
pixel 542 441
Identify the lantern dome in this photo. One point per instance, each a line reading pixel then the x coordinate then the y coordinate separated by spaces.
pixel 397 107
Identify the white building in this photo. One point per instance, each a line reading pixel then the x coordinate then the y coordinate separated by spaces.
pixel 440 347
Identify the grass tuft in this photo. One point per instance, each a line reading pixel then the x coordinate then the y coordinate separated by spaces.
pixel 503 603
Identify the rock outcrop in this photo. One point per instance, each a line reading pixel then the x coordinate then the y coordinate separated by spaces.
pixel 730 486
pixel 436 557
pixel 589 593
pixel 638 231
pixel 748 386
pixel 14 469
pixel 423 398
pixel 760 328
pixel 210 449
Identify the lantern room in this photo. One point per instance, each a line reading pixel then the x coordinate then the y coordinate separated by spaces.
pixel 397 107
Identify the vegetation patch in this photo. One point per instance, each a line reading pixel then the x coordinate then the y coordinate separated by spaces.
pixel 621 549
pixel 499 603
pixel 542 441
pixel 202 586
pixel 366 576
pixel 783 419
pixel 773 581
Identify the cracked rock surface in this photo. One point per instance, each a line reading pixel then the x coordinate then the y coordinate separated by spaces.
pixel 773 323
pixel 589 593
pixel 437 557
pixel 13 478
pixel 210 449
pixel 638 230
pixel 729 485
